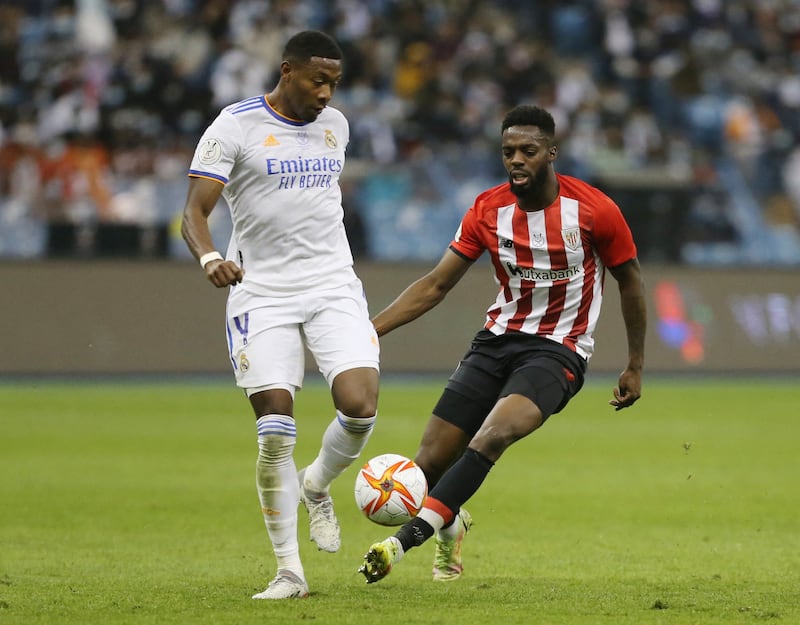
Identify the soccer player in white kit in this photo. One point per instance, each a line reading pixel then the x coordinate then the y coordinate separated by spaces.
pixel 276 160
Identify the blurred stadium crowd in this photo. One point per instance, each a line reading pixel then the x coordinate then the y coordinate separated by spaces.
pixel 688 111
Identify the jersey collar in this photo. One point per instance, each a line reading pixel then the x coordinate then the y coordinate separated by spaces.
pixel 280 117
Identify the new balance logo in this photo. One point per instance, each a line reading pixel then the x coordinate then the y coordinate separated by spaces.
pixel 271 140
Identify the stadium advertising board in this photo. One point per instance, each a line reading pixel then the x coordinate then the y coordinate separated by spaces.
pixel 154 317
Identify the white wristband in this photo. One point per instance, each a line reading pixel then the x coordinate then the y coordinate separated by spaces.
pixel 207 258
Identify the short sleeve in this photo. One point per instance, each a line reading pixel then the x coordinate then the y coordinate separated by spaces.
pixel 217 149
pixel 613 239
pixel 467 241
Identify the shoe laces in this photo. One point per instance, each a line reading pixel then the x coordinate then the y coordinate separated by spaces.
pixel 445 547
pixel 444 551
pixel 323 508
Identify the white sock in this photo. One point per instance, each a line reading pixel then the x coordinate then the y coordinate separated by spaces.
pixel 400 551
pixel 342 443
pixel 278 491
pixel 451 531
pixel 432 518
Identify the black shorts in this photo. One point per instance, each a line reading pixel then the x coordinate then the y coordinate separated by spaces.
pixel 546 372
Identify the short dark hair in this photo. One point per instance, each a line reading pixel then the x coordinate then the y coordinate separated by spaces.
pixel 529 115
pixel 302 46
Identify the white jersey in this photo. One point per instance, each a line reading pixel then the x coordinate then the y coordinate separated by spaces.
pixel 281 179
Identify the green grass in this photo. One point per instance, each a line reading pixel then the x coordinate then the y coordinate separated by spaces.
pixel 135 503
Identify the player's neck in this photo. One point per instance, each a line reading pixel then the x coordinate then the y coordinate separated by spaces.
pixel 541 200
pixel 278 103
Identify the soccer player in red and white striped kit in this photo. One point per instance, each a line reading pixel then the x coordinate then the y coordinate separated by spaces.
pixel 550 238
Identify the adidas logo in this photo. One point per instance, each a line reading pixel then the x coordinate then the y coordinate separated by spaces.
pixel 271 140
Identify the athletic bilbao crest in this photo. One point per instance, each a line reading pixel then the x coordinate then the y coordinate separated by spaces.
pixel 572 238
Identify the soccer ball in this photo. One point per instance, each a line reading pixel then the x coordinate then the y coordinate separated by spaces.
pixel 390 489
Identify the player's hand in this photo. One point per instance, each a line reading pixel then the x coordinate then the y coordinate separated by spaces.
pixel 223 273
pixel 629 389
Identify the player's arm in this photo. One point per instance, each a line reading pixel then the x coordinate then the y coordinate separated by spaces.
pixel 200 201
pixel 634 313
pixel 423 294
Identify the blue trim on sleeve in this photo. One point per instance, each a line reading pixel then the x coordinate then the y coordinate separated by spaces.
pixel 205 174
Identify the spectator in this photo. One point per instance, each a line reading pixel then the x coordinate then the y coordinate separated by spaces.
pixel 423 78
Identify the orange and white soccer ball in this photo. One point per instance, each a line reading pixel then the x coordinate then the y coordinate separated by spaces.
pixel 390 489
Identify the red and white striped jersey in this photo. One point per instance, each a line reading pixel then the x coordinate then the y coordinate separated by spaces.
pixel 549 264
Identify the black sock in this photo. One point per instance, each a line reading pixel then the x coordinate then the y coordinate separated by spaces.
pixel 462 480
pixel 457 485
pixel 414 533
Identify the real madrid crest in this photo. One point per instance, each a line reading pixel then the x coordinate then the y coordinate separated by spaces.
pixel 330 140
pixel 244 364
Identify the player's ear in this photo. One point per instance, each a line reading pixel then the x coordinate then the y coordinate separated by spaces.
pixel 553 153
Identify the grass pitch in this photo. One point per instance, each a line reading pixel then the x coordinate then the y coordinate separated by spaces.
pixel 135 503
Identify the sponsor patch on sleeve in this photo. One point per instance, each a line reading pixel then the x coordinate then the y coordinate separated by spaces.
pixel 209 152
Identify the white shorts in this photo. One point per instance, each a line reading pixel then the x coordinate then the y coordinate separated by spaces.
pixel 266 343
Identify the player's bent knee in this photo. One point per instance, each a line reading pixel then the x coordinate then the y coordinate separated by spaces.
pixel 492 441
pixel 355 393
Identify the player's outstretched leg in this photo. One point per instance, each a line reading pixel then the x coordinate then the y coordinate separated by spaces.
pixel 286 585
pixel 323 525
pixel 380 559
pixel 447 565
